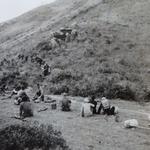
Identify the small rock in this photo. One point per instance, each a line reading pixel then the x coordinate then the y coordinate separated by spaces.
pixel 131 123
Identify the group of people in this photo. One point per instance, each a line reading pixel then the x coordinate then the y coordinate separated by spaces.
pixel 89 107
pixel 21 98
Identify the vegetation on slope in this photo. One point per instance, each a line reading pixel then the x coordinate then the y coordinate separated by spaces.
pixel 105 59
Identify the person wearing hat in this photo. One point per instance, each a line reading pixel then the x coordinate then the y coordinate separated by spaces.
pixel 87 108
pixel 65 103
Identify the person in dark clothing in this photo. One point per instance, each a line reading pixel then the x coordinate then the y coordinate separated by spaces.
pixel 3 89
pixel 19 93
pixel 106 108
pixel 46 70
pixel 21 96
pixel 26 108
pixel 112 110
pixel 92 101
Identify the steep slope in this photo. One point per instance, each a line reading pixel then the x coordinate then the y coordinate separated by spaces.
pixel 110 55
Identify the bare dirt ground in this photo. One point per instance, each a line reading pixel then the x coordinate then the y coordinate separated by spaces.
pixel 93 133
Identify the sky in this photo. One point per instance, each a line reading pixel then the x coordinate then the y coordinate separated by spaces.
pixel 13 8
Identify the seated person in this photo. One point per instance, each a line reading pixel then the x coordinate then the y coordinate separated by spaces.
pixel 87 108
pixel 39 96
pixel 65 103
pixel 92 101
pixel 3 89
pixel 26 108
pixel 15 91
pixel 21 97
pixel 105 106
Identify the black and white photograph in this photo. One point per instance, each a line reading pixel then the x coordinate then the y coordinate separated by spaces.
pixel 74 74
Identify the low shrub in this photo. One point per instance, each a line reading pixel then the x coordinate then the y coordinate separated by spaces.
pixel 109 85
pixel 59 75
pixel 119 91
pixel 58 88
pixel 13 78
pixel 44 46
pixel 35 136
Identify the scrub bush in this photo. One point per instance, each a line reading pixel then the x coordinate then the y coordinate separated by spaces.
pixel 35 136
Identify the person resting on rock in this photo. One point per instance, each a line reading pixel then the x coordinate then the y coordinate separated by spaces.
pixel 65 103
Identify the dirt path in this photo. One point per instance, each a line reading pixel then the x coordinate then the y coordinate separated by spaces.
pixel 92 133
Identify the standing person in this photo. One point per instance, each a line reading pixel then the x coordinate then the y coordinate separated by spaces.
pixel 65 103
pixel 39 96
pixel 92 101
pixel 87 108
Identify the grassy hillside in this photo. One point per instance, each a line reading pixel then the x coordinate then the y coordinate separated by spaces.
pixel 108 57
